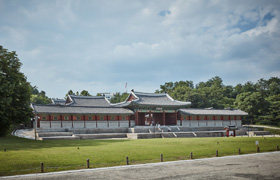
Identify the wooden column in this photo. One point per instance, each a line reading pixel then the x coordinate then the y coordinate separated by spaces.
pixel 214 117
pixel 38 122
pixel 84 117
pixel 181 122
pixel 150 116
pixel 164 118
pixel 107 120
pixel 136 123
pixel 96 119
pixel 61 120
pixel 175 116
pixel 118 116
pixel 50 118
pixel 129 123
pixel 72 120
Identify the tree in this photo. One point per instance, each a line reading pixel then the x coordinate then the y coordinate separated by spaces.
pixel 15 92
pixel 39 97
pixel 118 97
pixel 273 114
pixel 85 93
pixel 70 92
pixel 253 103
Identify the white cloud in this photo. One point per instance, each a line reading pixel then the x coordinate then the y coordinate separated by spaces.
pixel 101 45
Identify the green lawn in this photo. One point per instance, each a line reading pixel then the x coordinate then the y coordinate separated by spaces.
pixel 24 156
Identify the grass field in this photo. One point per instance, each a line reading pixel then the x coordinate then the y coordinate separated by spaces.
pixel 24 156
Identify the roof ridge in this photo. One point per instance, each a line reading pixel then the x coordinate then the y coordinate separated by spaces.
pixel 88 97
pixel 150 94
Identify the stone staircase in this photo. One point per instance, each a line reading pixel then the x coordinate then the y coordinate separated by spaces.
pixel 145 132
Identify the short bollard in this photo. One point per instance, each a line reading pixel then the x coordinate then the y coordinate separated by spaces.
pixel 127 162
pixel 217 153
pixel 87 163
pixel 258 149
pixel 42 167
pixel 161 158
pixel 191 155
pixel 239 151
pixel 277 148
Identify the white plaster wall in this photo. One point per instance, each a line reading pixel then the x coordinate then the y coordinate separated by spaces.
pixel 239 123
pixel 56 124
pixel 78 124
pixel 194 123
pixel 102 124
pixel 211 123
pixel 90 124
pixel 67 124
pixel 227 123
pixel 45 124
pixel 178 123
pixel 218 123
pixel 202 123
pixel 233 123
pixel 186 123
pixel 113 124
pixel 125 123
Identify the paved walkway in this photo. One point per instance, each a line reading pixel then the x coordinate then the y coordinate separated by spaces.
pixel 263 166
pixel 264 126
pixel 25 133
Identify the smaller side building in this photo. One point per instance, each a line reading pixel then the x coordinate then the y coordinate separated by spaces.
pixel 210 117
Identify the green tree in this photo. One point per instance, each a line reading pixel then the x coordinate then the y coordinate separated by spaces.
pixel 273 113
pixel 70 92
pixel 85 93
pixel 39 97
pixel 15 92
pixel 253 103
pixel 118 97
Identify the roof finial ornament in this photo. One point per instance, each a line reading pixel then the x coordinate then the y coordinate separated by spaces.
pixel 132 90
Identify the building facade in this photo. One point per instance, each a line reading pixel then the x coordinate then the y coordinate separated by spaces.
pixel 139 109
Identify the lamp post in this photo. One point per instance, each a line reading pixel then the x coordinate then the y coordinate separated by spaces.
pixel 248 129
pixel 35 126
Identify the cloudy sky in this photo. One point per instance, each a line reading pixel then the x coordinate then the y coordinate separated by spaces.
pixel 101 45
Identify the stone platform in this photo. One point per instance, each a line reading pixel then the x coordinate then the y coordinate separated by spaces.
pixel 137 132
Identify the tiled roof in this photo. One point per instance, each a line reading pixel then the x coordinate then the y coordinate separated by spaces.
pixel 92 101
pixel 58 101
pixel 157 99
pixel 79 110
pixel 235 112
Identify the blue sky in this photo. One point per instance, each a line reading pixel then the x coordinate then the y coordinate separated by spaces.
pixel 100 45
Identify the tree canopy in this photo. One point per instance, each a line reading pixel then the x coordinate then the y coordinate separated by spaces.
pixel 15 92
pixel 260 100
pixel 39 97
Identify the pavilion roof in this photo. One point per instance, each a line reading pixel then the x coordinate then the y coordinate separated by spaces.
pixel 210 111
pixel 87 101
pixel 61 109
pixel 59 101
pixel 152 99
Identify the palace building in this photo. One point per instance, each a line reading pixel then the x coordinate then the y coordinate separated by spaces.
pixel 139 109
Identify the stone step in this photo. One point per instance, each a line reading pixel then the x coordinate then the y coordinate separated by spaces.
pixel 59 138
pixel 51 134
pixel 101 136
